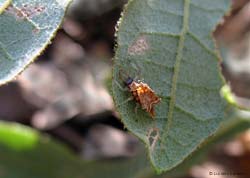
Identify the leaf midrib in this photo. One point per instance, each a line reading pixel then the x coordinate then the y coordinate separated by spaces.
pixel 179 56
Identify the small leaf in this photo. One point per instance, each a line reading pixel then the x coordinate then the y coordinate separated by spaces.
pixel 16 137
pixel 25 153
pixel 26 28
pixel 171 46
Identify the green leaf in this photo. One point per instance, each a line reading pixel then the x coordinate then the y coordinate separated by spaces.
pixel 26 28
pixel 171 45
pixel 25 153
pixel 16 137
pixel 4 4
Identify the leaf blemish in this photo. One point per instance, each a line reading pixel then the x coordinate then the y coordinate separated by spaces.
pixel 153 137
pixel 31 11
pixel 26 11
pixel 139 46
pixel 36 31
pixel 15 12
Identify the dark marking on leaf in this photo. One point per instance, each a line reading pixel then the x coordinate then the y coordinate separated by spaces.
pixel 153 137
pixel 31 11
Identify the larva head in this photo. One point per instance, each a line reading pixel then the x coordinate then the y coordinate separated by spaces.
pixel 128 81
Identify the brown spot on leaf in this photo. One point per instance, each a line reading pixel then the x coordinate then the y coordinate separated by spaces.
pixel 153 136
pixel 15 12
pixel 139 46
pixel 36 31
pixel 25 11
pixel 31 11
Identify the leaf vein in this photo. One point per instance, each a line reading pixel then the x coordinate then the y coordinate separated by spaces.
pixel 200 87
pixel 177 141
pixel 201 43
pixel 208 10
pixel 170 13
pixel 177 68
pixel 174 35
pixel 6 53
pixel 156 63
pixel 27 18
pixel 178 107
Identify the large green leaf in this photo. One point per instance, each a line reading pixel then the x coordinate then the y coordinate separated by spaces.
pixel 171 45
pixel 26 28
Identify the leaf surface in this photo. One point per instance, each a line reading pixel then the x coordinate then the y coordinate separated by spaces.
pixel 26 28
pixel 169 44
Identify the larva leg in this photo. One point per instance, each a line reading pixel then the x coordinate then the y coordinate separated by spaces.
pixel 126 101
pixel 120 87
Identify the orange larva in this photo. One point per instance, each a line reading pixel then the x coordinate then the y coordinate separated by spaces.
pixel 144 95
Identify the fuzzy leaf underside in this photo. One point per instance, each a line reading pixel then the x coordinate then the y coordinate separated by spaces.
pixel 169 44
pixel 26 28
